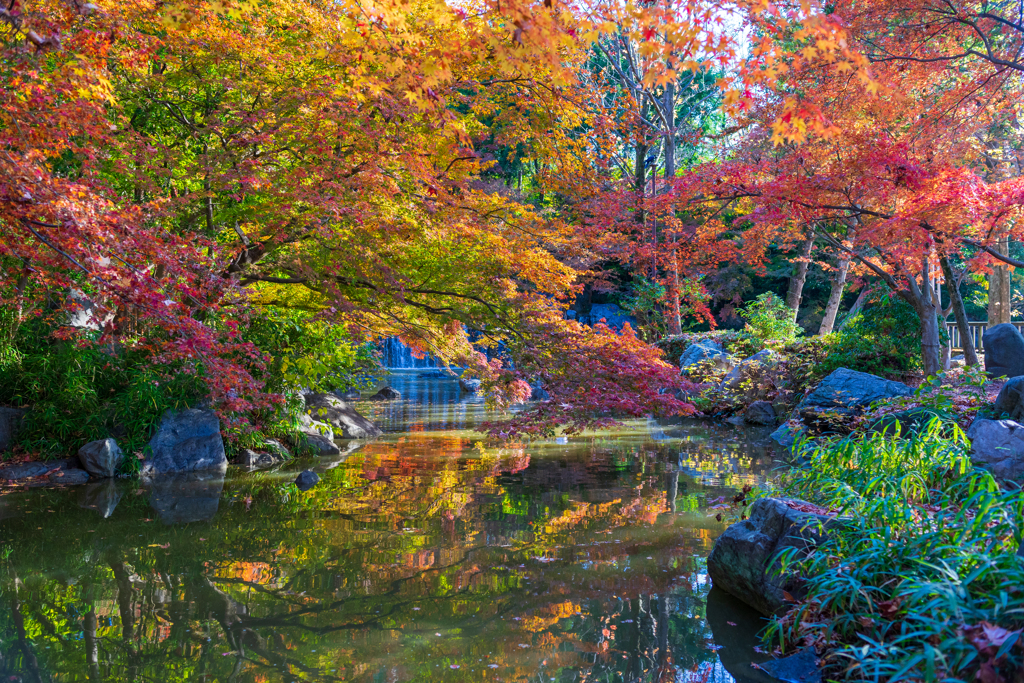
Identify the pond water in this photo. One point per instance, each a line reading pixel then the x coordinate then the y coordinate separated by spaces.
pixel 427 555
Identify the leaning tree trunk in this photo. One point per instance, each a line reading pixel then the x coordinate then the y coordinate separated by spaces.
pixel 923 299
pixel 858 304
pixel 799 277
pixel 960 313
pixel 834 298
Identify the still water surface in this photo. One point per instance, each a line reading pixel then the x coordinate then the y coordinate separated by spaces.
pixel 427 555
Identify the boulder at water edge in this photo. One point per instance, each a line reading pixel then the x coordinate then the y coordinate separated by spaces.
pixel 760 413
pixel 751 375
pixel 848 392
pixel 319 435
pixel 101 458
pixel 998 445
pixel 1004 351
pixel 10 421
pixel 257 460
pixel 307 480
pixel 186 441
pixel 1010 401
pixel 386 394
pixel 705 351
pixel 347 423
pixel 469 385
pixel 744 561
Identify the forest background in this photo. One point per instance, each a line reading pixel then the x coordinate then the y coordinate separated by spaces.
pixel 234 202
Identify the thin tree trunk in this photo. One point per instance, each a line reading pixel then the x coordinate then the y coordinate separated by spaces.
pixel 92 646
pixel 675 323
pixel 834 298
pixel 858 304
pixel 960 313
pixel 799 277
pixel 999 288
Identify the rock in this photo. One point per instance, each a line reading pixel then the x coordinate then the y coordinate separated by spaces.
pixel 101 496
pixel 538 392
pixel 84 313
pixel 848 392
pixel 26 470
pixel 998 445
pixel 787 435
pixel 743 561
pixel 735 420
pixel 386 394
pixel 348 394
pixel 469 385
pixel 308 425
pixel 71 477
pixel 957 361
pixel 184 498
pixel 1010 401
pixel 186 441
pixel 749 376
pixel 705 351
pixel 760 413
pixel 10 421
pixel 799 668
pixel 101 458
pixel 256 460
pixel 1004 351
pixel 276 447
pixel 347 423
pixel 909 422
pixel 307 480
pixel 322 444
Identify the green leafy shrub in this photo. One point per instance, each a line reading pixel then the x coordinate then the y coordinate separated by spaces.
pixel 883 340
pixel 919 578
pixel 80 391
pixel 769 319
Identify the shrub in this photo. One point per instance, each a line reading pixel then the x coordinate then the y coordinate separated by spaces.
pixel 80 391
pixel 883 340
pixel 919 580
pixel 769 319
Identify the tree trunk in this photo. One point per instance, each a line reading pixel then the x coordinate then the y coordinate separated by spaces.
pixel 834 298
pixel 999 288
pixel 960 313
pixel 799 277
pixel 92 646
pixel 675 323
pixel 858 304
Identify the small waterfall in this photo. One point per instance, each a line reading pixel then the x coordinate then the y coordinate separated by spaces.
pixel 398 356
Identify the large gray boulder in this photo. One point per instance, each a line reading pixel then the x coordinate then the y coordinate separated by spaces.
pixel 470 385
pixel 848 392
pixel 10 422
pixel 186 441
pixel 706 351
pixel 347 423
pixel 760 413
pixel 1004 351
pixel 745 559
pixel 613 316
pixel 101 458
pixel 386 394
pixel 751 375
pixel 319 435
pixel 998 446
pixel 1010 401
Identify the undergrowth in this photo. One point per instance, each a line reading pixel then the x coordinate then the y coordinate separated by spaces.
pixel 921 581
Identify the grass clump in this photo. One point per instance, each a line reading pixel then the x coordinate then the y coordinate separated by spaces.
pixel 922 580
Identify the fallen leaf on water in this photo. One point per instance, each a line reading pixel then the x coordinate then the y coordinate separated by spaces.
pixel 157 545
pixel 731 623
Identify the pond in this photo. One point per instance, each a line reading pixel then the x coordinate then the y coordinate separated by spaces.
pixel 427 555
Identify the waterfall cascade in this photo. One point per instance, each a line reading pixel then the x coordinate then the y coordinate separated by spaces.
pixel 398 356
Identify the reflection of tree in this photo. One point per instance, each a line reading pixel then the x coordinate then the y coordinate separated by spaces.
pixel 572 568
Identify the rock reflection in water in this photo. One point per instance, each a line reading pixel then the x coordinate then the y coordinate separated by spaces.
pixel 423 557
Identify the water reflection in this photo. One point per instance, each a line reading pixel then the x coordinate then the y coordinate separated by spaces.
pixel 427 556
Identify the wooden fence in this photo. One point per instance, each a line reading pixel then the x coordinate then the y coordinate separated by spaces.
pixel 977 332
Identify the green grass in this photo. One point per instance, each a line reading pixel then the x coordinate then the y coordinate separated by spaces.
pixel 922 582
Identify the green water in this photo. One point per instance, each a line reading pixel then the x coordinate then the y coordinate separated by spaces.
pixel 427 555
